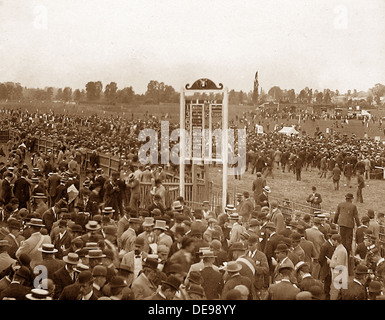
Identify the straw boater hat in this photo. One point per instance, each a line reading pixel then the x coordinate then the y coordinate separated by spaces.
pixel 267 189
pixel 93 225
pixel 108 210
pixel 95 254
pixel 36 222
pixel 230 207
pixel 48 248
pixel 38 294
pixel 71 258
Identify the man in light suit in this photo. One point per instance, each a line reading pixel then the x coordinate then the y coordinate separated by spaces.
pixel 144 285
pixel 246 209
pixel 338 263
pixel 314 235
pixel 134 259
pixel 31 245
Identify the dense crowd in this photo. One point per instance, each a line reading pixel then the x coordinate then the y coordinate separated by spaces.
pixel 71 232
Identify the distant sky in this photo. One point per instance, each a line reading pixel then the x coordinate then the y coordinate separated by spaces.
pixel 292 43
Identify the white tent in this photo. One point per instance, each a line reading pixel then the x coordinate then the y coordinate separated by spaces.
pixel 366 113
pixel 288 131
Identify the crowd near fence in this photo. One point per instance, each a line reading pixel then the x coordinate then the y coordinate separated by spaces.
pixel 196 191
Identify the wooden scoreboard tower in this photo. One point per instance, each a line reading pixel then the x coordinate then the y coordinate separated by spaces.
pixel 204 119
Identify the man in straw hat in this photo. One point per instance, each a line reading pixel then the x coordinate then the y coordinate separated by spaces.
pixel 66 275
pixel 128 237
pixel 31 245
pixel 49 261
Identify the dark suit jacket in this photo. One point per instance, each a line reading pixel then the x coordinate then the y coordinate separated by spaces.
pixel 354 291
pixel 212 283
pixel 22 190
pixel 49 218
pixel 235 280
pixel 61 278
pixel 52 266
pixel 71 292
pixel 270 246
pixel 346 214
pixel 283 290
pixel 15 290
pixel 6 192
pixel 326 250
pixel 53 181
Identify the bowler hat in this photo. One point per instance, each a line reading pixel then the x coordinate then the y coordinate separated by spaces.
pixel 173 282
pixel 375 286
pixel 361 269
pixel 118 282
pixel 281 247
pixel 196 289
pixel 14 224
pixel 176 268
pixel 99 271
pixel 151 263
pixel 349 196
pixel 195 277
pixel 85 277
pixel 23 272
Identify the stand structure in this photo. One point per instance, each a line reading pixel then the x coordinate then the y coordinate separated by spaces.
pixel 203 120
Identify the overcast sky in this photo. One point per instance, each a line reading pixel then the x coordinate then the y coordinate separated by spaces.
pixel 297 43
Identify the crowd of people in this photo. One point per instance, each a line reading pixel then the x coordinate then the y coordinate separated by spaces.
pixel 70 232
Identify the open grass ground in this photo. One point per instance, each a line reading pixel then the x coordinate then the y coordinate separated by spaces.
pixel 285 185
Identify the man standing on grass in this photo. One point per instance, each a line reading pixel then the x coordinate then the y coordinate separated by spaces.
pixel 360 186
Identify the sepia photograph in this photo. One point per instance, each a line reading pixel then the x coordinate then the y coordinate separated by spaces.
pixel 196 152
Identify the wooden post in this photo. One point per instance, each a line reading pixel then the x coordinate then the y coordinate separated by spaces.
pixel 225 139
pixel 182 144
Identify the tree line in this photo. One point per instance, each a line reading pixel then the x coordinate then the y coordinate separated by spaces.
pixel 159 92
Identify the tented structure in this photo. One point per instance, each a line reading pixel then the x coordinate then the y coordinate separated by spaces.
pixel 288 131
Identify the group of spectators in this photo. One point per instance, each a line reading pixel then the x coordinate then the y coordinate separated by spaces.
pixel 68 234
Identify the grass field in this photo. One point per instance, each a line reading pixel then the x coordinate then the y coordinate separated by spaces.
pixel 284 185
